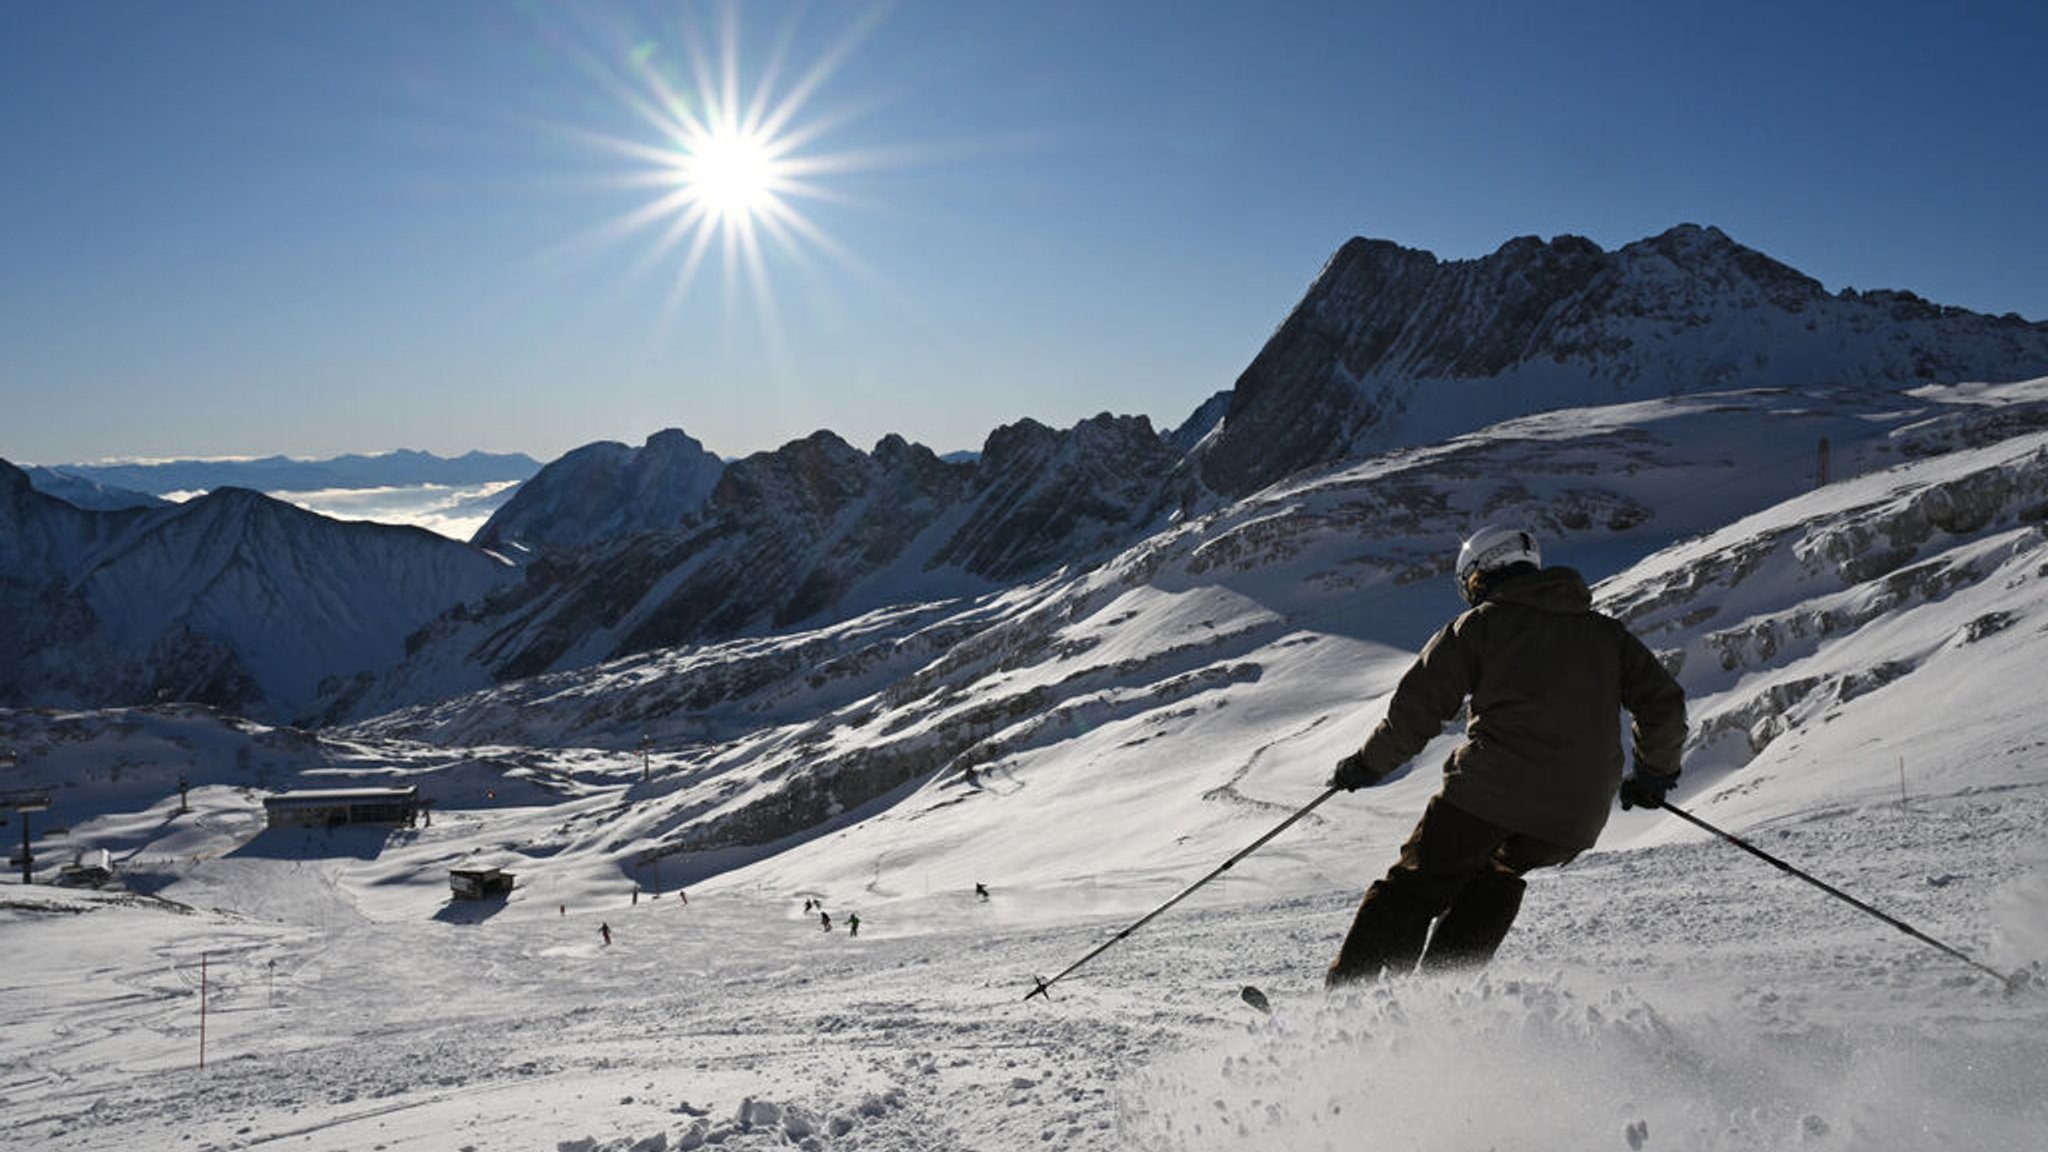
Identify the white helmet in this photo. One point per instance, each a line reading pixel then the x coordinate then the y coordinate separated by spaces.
pixel 1489 550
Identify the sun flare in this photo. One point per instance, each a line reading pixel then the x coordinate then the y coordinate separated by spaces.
pixel 729 164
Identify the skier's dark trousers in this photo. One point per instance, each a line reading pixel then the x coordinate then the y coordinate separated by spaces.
pixel 1532 785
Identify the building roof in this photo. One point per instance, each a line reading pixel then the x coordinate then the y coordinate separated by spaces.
pixel 314 796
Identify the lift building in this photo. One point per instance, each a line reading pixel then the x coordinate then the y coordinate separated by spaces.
pixel 336 807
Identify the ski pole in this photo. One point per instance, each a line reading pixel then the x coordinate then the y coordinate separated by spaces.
pixel 2010 982
pixel 1044 986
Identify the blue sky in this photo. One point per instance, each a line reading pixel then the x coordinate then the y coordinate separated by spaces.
pixel 313 228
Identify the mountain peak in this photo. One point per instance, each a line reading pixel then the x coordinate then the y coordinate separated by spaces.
pixel 605 489
pixel 1392 346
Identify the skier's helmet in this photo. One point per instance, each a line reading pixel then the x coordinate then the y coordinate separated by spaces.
pixel 1489 550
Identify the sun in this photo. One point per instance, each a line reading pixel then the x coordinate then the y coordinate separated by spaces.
pixel 727 153
pixel 732 175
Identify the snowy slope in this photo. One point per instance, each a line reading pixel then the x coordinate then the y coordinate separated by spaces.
pixel 1863 664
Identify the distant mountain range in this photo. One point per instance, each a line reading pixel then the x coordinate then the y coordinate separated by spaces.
pixel 630 551
pixel 283 474
pixel 82 492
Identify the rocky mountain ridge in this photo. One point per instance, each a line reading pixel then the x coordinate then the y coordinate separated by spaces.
pixel 812 532
pixel 1392 346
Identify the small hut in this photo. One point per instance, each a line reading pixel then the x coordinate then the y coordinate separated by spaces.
pixel 479 883
pixel 92 867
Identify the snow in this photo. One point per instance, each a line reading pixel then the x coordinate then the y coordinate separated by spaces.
pixel 1128 729
pixel 1678 989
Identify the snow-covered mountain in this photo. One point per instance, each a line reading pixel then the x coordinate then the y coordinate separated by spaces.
pixel 782 735
pixel 601 491
pixel 232 599
pixel 1190 663
pixel 633 551
pixel 814 531
pixel 1392 346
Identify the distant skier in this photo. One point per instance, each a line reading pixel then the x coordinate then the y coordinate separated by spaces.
pixel 853 924
pixel 981 889
pixel 605 930
pixel 810 906
pixel 1530 786
pixel 824 920
pixel 682 895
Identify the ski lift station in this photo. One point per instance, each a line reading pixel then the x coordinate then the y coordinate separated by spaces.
pixel 336 807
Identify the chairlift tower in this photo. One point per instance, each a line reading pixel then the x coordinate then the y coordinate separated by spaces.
pixel 23 801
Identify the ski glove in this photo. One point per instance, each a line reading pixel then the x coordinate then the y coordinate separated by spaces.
pixel 1641 791
pixel 1352 773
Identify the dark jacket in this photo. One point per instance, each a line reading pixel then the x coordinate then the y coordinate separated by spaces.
pixel 1547 677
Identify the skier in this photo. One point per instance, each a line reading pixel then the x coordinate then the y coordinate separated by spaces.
pixel 853 924
pixel 1530 787
pixel 605 930
pixel 824 920
pixel 981 889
